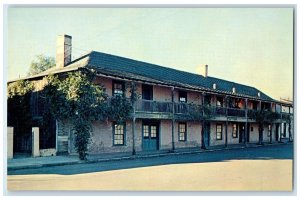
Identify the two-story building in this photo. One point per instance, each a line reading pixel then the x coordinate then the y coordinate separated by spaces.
pixel 164 115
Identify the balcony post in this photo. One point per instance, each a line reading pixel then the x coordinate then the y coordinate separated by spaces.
pixel 226 123
pixel 246 124
pixel 173 119
pixel 280 136
pixel 203 146
pixel 133 116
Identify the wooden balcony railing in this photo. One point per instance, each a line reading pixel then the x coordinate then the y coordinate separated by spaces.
pixel 188 109
pixel 153 106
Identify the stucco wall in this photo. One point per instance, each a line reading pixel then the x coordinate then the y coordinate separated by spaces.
pixel 193 136
pixel 232 140
pixel 166 134
pixel 213 134
pixel 162 93
pixel 253 134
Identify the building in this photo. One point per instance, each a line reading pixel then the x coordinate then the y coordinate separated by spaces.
pixel 161 120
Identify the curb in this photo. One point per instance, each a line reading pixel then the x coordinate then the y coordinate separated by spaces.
pixel 133 157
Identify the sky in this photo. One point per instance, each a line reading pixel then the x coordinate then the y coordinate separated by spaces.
pixel 251 46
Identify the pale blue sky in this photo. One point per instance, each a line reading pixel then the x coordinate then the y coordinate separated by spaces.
pixel 252 46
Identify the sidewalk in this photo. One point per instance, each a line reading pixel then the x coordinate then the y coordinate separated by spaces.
pixel 37 162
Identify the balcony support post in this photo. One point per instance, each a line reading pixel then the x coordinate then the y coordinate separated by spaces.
pixel 280 136
pixel 226 123
pixel 133 116
pixel 203 146
pixel 173 119
pixel 246 124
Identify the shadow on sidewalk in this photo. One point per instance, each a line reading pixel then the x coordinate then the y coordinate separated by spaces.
pixel 260 153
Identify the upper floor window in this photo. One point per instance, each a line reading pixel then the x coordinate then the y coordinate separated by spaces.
pixel 118 88
pixel 234 131
pixel 118 134
pixel 182 97
pixel 219 101
pixel 182 131
pixel 219 132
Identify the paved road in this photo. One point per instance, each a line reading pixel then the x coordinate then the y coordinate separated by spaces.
pixel 282 152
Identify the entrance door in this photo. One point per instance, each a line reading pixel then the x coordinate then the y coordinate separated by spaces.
pixel 241 133
pixel 150 133
pixel 207 134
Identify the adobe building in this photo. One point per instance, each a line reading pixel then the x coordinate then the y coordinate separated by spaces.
pixel 161 119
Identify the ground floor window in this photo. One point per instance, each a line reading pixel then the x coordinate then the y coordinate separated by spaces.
pixel 182 131
pixel 118 134
pixel 234 131
pixel 219 132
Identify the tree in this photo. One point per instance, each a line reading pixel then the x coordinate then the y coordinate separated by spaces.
pixel 77 98
pixel 18 106
pixel 41 63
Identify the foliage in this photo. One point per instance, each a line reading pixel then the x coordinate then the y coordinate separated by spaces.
pixel 199 112
pixel 77 98
pixel 40 64
pixel 119 109
pixel 18 105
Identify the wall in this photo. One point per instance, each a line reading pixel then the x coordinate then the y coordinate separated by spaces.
pixel 166 134
pixel 253 134
pixel 213 134
pixel 193 136
pixel 162 93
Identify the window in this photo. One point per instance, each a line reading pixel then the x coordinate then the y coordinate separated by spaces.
pixel 182 97
pixel 119 134
pixel 153 131
pixel 251 128
pixel 269 130
pixel 118 88
pixel 219 132
pixel 146 131
pixel 182 131
pixel 219 101
pixel 234 131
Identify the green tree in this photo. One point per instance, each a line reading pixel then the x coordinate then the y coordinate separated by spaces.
pixel 77 98
pixel 18 106
pixel 41 63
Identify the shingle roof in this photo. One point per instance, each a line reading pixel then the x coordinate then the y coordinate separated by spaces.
pixel 117 64
pixel 129 68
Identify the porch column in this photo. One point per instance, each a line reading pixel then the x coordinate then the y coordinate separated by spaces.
pixel 203 146
pixel 35 142
pixel 10 142
pixel 226 123
pixel 246 124
pixel 133 116
pixel 271 127
pixel 280 136
pixel 173 119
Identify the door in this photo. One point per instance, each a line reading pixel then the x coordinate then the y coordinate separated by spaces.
pixel 207 134
pixel 150 133
pixel 277 132
pixel 241 133
pixel 248 132
pixel 147 92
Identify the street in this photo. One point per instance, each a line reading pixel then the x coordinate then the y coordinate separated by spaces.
pixel 266 168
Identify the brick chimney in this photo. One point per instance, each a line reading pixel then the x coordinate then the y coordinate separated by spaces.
pixel 203 70
pixel 63 50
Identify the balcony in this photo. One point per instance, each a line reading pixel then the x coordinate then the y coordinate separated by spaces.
pixel 188 111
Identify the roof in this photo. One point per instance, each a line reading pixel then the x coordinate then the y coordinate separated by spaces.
pixel 133 69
